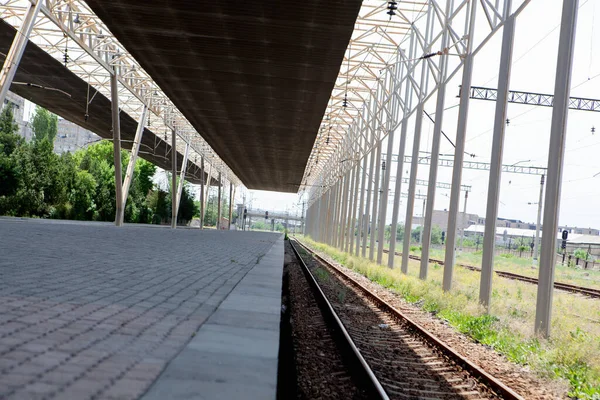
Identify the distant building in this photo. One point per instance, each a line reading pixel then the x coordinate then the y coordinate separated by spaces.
pixel 17 103
pixel 71 137
pixel 515 227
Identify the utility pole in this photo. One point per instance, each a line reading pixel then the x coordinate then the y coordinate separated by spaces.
pixel 536 246
pixel 465 221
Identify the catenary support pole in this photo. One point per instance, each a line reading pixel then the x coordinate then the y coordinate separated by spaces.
pixel 13 58
pixel 459 155
pixel 465 221
pixel 489 236
pixel 135 148
pixel 536 244
pixel 361 208
pixel 116 126
pixel 173 179
pixel 566 47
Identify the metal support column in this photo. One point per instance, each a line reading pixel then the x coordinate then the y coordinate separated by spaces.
pixel 412 187
pixel 116 126
pixel 343 209
pixel 459 155
pixel 219 206
pixel 230 204
pixel 346 243
pixel 543 312
pixel 465 221
pixel 412 183
pixel 135 148
pixel 536 244
pixel 173 179
pixel 375 202
pixel 182 177
pixel 384 197
pixel 352 224
pixel 13 58
pixel 360 241
pixel 489 236
pixel 202 192
pixel 400 167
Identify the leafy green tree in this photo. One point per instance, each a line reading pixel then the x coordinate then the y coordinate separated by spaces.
pixel 44 124
pixel 436 235
pixel 9 141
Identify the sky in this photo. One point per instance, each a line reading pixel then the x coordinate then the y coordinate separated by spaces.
pixel 527 136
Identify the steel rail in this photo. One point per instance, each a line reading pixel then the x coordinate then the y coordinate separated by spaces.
pixel 587 291
pixel 376 385
pixel 476 371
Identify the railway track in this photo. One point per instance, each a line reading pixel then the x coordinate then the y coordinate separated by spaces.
pixel 403 359
pixel 590 292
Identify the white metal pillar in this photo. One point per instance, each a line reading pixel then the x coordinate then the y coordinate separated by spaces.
pixel 367 213
pixel 116 126
pixel 375 202
pixel 202 192
pixel 435 146
pixel 459 154
pixel 354 206
pixel 135 148
pixel 207 189
pixel 412 183
pixel 219 207
pixel 400 165
pixel 182 177
pixel 351 206
pixel 412 187
pixel 344 209
pixel 465 221
pixel 360 241
pixel 173 179
pixel 13 58
pixel 489 237
pixel 231 204
pixel 536 244
pixel 562 85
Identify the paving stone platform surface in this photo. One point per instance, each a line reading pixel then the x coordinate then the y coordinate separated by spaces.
pixel 94 311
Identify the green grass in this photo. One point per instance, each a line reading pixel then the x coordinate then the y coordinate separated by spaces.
pixel 571 355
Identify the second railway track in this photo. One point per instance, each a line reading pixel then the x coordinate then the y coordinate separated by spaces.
pixel 404 358
pixel 590 292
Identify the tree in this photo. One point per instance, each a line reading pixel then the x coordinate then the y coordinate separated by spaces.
pixel 44 124
pixel 9 141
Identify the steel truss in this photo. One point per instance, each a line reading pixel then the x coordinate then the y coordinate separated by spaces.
pixel 534 99
pixel 391 68
pixel 69 29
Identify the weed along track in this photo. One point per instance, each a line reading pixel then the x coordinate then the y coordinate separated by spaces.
pixel 586 291
pixel 407 360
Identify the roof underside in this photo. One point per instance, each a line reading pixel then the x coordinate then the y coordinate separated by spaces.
pixel 253 78
pixel 39 68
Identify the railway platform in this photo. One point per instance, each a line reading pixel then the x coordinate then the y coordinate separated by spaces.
pixel 88 310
